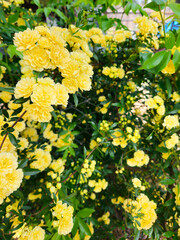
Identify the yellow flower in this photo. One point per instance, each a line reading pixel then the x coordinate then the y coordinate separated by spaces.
pixel 61 95
pixel 10 182
pixel 26 40
pixel 59 55
pixel 37 233
pixel 71 84
pixel 136 182
pixel 176 97
pixel 169 69
pixel 176 190
pixel 150 103
pixel 40 114
pixel 6 96
pixel 171 121
pixel 31 133
pixel 140 159
pixel 142 210
pixel 170 143
pixel 42 159
pixel 24 87
pixel 84 82
pixel 64 215
pixel 119 36
pixel 37 58
pixel 23 143
pixel 8 162
pixel 161 110
pixel 43 95
pixel 106 71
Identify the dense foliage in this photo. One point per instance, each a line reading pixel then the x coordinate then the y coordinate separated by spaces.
pixel 89 144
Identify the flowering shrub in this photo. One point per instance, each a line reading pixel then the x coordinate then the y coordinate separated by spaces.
pixel 89 144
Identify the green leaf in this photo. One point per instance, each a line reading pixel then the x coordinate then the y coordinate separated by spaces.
pixel 18 194
pixel 176 59
pixel 3 17
pixel 43 126
pixel 13 139
pixel 11 50
pixel 152 5
pixel 60 14
pixel 56 236
pixel 23 163
pixel 21 100
pixel 137 234
pixel 168 87
pixel 47 11
pixel 169 203
pixel 37 3
pixel 13 18
pixel 54 115
pixel 155 60
pixel 170 40
pixel 175 7
pixel 7 89
pixel 75 99
pixel 17 111
pixel 162 64
pixel 84 227
pixel 167 181
pixel 175 109
pixel 162 149
pixel 168 234
pixel 5 113
pixel 178 40
pixel 150 136
pixel 30 171
pixel 85 212
pixel 159 2
pixel 75 226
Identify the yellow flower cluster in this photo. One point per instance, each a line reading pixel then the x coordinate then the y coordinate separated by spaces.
pixel 2 71
pixel 121 35
pixel 171 121
pixel 175 97
pixel 104 126
pixel 113 72
pixel 99 185
pixel 156 15
pixel 64 216
pixel 133 136
pixel 136 182
pixel 97 36
pixel 156 103
pixel 174 139
pixel 117 200
pixel 169 69
pixel 6 4
pixel 142 210
pixel 139 159
pixel 42 159
pixel 87 170
pixel 105 218
pixel 118 139
pixel 176 190
pixel 45 48
pixel 146 26
pixel 36 233
pixel 43 94
pixel 10 176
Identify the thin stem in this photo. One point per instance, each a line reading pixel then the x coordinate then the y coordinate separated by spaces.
pixel 12 127
pixel 163 23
